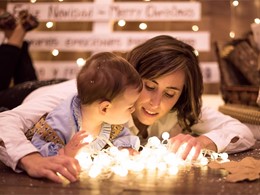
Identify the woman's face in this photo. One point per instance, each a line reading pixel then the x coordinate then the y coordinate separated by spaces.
pixel 158 97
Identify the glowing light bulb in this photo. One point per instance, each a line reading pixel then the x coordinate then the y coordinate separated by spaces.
pixel 121 171
pixel 257 20
pixel 124 152
pixel 114 151
pixel 55 52
pixel 153 141
pixel 94 171
pixel 195 28
pixel 173 170
pixel 84 159
pixel 143 26
pixel 204 161
pixel 162 166
pixel 165 135
pixel 88 139
pixel 232 34
pixel 121 23
pixel 81 62
pixel 214 155
pixel 224 156
pixel 235 3
pixel 170 158
pixel 49 24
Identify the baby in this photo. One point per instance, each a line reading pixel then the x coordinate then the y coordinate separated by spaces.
pixel 108 87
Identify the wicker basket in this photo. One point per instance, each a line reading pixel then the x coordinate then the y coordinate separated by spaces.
pixel 245 95
pixel 236 87
pixel 245 114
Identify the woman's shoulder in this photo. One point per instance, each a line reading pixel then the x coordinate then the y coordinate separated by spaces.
pixel 58 91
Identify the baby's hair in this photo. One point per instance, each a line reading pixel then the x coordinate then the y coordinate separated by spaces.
pixel 104 77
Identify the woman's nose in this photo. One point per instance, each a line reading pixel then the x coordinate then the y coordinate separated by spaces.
pixel 156 100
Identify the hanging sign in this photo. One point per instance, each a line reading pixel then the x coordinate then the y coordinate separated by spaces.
pixel 210 72
pixel 47 70
pixel 116 41
pixel 130 11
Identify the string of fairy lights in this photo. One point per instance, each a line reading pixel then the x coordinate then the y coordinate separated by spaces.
pixel 155 156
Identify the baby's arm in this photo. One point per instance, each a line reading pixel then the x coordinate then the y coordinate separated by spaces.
pixel 126 139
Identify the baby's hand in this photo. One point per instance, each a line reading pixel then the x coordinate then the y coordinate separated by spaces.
pixel 131 151
pixel 75 144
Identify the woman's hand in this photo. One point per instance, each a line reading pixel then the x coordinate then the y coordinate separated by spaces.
pixel 38 166
pixel 75 144
pixel 186 145
pixel 189 145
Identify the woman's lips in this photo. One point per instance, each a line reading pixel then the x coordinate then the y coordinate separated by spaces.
pixel 149 112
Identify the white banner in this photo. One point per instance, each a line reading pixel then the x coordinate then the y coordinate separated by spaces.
pixel 116 41
pixel 130 11
pixel 210 72
pixel 47 70
pixel 69 69
pixel 2 36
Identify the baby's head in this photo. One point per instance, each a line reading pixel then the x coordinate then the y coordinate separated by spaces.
pixel 111 78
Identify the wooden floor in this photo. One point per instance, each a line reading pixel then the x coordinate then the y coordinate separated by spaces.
pixel 190 180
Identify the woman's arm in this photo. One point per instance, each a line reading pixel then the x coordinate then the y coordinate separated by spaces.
pixel 14 123
pixel 228 134
pixel 47 167
pixel 215 131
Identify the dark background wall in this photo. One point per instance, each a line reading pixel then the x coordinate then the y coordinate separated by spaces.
pixel 219 17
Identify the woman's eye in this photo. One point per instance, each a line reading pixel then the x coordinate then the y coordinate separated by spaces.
pixel 169 95
pixel 149 87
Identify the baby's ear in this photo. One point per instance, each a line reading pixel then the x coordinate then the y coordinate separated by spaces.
pixel 103 106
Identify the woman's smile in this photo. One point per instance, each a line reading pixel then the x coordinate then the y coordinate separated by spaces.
pixel 149 112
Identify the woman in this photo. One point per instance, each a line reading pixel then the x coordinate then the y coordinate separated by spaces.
pixel 170 101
